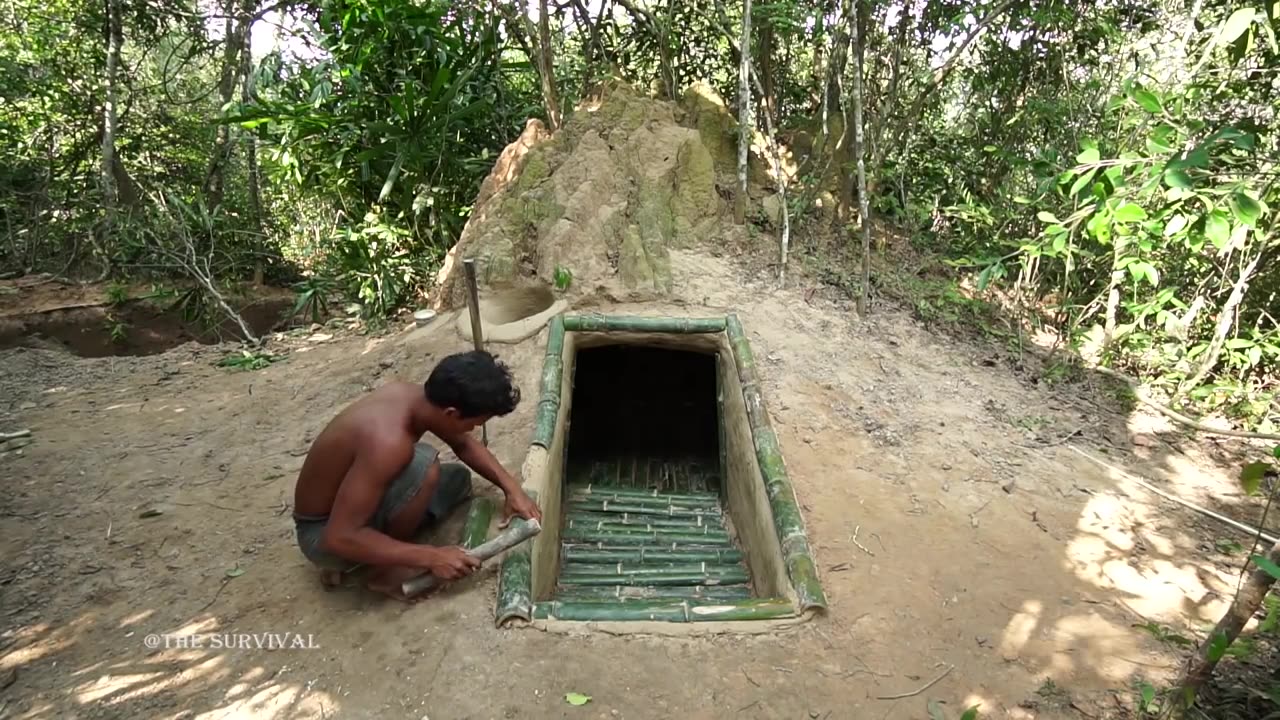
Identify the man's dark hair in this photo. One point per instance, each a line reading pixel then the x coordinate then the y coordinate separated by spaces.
pixel 474 382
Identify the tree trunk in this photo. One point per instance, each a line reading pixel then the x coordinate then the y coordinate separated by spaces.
pixel 744 113
pixel 249 139
pixel 859 151
pixel 110 189
pixel 547 66
pixel 764 67
pixel 940 75
pixel 1247 601
pixel 221 154
pixel 1225 319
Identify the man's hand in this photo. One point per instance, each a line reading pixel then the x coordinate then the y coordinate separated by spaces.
pixel 450 563
pixel 519 503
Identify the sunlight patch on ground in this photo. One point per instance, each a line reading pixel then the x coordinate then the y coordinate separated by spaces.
pixel 1153 583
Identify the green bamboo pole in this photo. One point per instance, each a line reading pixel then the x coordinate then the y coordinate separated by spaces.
pixel 581 519
pixel 603 492
pixel 635 323
pixel 788 523
pixel 637 507
pixel 544 424
pixel 635 610
pixel 515 581
pixel 664 610
pixel 752 609
pixel 642 554
pixel 582 535
pixel 572 570
pixel 722 486
pixel 709 531
pixel 734 576
pixel 476 529
pixel 675 592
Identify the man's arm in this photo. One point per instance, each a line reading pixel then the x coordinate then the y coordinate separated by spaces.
pixel 476 456
pixel 347 533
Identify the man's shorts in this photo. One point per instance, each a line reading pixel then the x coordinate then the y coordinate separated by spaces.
pixel 453 489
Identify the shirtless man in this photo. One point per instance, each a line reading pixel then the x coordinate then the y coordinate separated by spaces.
pixel 369 485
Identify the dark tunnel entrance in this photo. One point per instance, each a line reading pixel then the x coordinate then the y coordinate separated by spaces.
pixel 645 417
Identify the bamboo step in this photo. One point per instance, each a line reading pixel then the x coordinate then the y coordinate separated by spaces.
pixel 625 544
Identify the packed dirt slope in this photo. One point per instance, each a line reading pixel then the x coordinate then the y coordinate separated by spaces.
pixel 957 533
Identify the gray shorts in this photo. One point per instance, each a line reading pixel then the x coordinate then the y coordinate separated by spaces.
pixel 453 489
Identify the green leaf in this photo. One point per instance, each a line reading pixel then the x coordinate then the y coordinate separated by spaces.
pixel 1217 228
pixel 1047 217
pixel 935 710
pixel 1147 100
pixel 1082 181
pixel 1239 343
pixel 1130 212
pixel 971 713
pixel 1246 209
pixel 1269 567
pixel 235 572
pixel 1275 452
pixel 1235 25
pixel 1251 476
pixel 1176 224
pixel 1148 695
pixel 577 698
pixel 1088 156
pixel 1218 646
pixel 1178 179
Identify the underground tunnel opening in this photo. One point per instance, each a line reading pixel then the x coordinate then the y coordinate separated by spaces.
pixel 663 492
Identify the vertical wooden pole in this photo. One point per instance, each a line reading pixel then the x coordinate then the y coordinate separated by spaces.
pixel 477 336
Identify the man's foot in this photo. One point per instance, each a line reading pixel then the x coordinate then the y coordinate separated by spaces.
pixel 330 579
pixel 387 581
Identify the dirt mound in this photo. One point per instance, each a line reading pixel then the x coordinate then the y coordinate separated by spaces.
pixel 603 199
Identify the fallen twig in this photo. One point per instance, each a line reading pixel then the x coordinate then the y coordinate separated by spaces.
pixel 913 693
pixel 14 435
pixel 861 547
pixel 1177 416
pixel 1185 503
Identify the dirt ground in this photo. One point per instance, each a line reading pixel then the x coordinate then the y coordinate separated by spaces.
pixel 958 533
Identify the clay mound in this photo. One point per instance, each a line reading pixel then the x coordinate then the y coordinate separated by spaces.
pixel 604 198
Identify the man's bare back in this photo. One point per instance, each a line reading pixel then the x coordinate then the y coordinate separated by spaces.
pixel 369 484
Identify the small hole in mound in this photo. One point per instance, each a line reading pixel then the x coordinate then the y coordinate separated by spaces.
pixel 515 304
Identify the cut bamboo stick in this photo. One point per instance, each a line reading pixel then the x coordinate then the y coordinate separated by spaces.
pixel 582 535
pixel 731 576
pixel 641 570
pixel 655 521
pixel 644 496
pixel 632 323
pixel 664 610
pixel 788 523
pixel 519 531
pixel 642 508
pixel 575 553
pixel 632 592
pixel 711 531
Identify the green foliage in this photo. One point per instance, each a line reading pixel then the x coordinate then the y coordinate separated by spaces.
pixel 246 360
pixel 563 278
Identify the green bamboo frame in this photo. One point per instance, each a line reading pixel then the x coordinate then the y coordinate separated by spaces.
pixel 515 598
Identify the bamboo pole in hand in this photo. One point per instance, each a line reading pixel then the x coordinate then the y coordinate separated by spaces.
pixel 519 531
